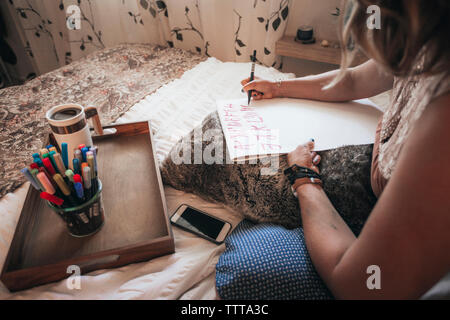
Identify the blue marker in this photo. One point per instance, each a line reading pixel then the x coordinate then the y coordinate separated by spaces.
pixel 30 178
pixel 83 152
pixel 49 146
pixel 36 156
pixel 65 154
pixel 79 190
pixel 76 166
pixel 39 162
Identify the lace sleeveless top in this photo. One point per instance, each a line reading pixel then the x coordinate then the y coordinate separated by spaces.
pixel 410 96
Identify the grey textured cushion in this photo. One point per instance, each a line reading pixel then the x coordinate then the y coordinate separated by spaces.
pixel 268 198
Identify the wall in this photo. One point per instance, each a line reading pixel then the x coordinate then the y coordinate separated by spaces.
pixel 318 14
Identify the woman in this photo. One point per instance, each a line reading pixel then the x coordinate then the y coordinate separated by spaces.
pixel 407 235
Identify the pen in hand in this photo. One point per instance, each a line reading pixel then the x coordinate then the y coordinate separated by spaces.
pixel 252 76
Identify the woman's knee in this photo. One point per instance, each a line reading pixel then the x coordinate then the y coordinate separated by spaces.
pixel 267 261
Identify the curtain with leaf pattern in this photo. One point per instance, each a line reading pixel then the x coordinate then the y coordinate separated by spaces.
pixel 226 29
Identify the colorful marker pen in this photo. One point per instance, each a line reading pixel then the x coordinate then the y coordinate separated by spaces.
pixel 49 177
pixel 38 162
pixel 59 164
pixel 30 178
pixel 87 181
pixel 65 154
pixel 64 188
pixel 51 156
pixel 69 174
pixel 48 166
pixel 34 173
pixel 83 153
pixel 76 166
pixel 42 152
pixel 77 179
pixel 53 199
pixel 46 183
pixel 79 190
pixel 77 155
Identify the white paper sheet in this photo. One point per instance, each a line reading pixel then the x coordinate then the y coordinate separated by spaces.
pixel 274 126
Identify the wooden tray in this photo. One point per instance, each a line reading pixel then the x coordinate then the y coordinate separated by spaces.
pixel 136 225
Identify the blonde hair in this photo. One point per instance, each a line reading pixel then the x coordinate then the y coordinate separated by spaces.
pixel 410 31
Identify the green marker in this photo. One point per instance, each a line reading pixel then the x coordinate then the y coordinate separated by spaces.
pixel 69 174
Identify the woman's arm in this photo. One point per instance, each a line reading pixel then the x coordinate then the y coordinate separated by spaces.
pixel 407 234
pixel 363 81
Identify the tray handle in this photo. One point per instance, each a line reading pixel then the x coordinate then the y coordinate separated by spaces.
pixel 96 263
pixel 125 129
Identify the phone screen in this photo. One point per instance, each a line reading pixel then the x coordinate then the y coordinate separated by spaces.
pixel 200 222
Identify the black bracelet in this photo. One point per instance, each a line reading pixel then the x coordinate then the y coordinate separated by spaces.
pixel 296 172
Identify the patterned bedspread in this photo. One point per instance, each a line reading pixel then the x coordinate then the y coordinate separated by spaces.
pixel 112 79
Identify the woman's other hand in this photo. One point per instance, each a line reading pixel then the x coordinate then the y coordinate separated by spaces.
pixel 304 156
pixel 264 89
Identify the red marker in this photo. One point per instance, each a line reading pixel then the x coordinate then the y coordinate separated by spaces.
pixel 49 167
pixel 53 199
pixel 34 166
pixel 77 179
pixel 81 146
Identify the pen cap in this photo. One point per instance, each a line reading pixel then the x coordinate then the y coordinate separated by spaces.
pixel 30 178
pixel 87 177
pixel 34 173
pixel 53 199
pixel 45 183
pixel 79 190
pixel 90 161
pixel 77 178
pixel 51 155
pixel 78 155
pixel 48 166
pixel 69 174
pixel 38 162
pixel 59 164
pixel 61 184
pixel 94 152
pixel 83 152
pixel 76 165
pixel 43 151
pixel 64 154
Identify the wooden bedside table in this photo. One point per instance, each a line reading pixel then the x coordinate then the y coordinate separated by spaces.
pixel 288 47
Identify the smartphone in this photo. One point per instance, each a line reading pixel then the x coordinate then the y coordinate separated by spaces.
pixel 200 223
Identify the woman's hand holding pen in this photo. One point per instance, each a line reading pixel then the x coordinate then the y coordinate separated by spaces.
pixel 263 89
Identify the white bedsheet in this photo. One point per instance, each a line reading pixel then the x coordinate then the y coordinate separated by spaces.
pixel 174 109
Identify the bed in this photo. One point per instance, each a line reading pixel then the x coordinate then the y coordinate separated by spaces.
pixel 175 90
pixel 127 83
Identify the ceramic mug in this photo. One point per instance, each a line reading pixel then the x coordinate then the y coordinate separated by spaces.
pixel 68 123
